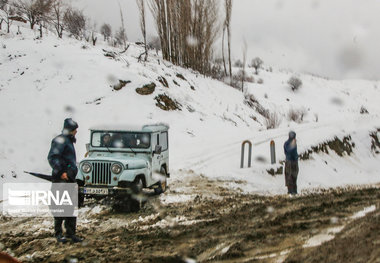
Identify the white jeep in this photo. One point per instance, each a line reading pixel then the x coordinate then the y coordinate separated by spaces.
pixel 121 159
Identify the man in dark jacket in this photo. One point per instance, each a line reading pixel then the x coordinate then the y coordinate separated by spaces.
pixel 291 163
pixel 62 159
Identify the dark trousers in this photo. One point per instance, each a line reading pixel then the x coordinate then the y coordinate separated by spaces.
pixel 70 225
pixel 291 174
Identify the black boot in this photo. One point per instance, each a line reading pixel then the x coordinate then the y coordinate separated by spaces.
pixel 76 239
pixel 61 239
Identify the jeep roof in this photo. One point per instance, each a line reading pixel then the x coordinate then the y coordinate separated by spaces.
pixel 133 128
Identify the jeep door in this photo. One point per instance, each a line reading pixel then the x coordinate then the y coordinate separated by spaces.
pixel 162 159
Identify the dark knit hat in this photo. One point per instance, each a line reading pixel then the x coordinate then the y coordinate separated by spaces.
pixel 292 135
pixel 70 125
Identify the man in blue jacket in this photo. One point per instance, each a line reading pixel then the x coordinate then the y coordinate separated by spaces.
pixel 291 163
pixel 62 159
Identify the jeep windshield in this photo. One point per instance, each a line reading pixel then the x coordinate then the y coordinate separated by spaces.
pixel 120 140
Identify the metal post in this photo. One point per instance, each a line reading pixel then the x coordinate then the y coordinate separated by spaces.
pixel 249 153
pixel 273 152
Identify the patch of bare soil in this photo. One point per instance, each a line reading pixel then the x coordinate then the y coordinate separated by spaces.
pixel 358 242
pixel 200 219
pixel 165 103
pixel 146 89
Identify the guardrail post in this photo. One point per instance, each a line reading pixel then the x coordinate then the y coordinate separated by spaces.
pixel 273 152
pixel 249 153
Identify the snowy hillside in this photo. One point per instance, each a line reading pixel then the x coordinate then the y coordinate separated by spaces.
pixel 42 82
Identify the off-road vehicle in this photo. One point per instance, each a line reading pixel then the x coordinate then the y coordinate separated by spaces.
pixel 124 160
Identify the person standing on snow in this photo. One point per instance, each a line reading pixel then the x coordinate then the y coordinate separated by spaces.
pixel 291 163
pixel 62 159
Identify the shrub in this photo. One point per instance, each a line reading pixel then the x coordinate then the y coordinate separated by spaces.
pixel 296 115
pixel 260 81
pixel 294 83
pixel 217 72
pixel 238 63
pixel 273 121
pixel 363 110
pixel 256 64
pixel 250 79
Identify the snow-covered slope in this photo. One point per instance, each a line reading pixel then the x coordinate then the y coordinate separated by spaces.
pixel 42 82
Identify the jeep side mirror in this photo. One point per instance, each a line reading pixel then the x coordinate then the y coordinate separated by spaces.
pixel 157 149
pixel 87 147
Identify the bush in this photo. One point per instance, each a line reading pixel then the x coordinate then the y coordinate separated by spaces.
pixel 253 103
pixel 256 64
pixel 260 81
pixel 273 121
pixel 294 83
pixel 296 115
pixel 121 37
pixel 154 43
pixel 250 79
pixel 217 72
pixel 106 31
pixel 363 110
pixel 238 63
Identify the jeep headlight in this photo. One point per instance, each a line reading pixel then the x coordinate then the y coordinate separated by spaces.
pixel 116 168
pixel 86 168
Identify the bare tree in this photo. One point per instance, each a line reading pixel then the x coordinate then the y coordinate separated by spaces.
pixel 228 8
pixel 141 6
pixel 122 32
pixel 187 30
pixel 34 11
pixel 121 36
pixel 6 13
pixel 57 15
pixel 94 36
pixel 223 56
pixel 2 6
pixel 244 63
pixel 75 22
pixel 106 31
pixel 3 3
pixel 155 43
pixel 256 64
pixel 44 7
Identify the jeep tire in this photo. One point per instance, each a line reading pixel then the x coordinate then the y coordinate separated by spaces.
pixel 162 184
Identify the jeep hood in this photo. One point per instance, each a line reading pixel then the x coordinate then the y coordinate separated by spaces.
pixel 131 162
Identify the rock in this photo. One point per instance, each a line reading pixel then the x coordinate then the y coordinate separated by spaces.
pixel 121 84
pixel 163 81
pixel 146 89
pixel 175 82
pixel 180 76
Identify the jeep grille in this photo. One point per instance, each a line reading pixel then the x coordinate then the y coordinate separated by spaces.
pixel 101 173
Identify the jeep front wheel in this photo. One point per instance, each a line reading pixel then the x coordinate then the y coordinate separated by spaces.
pixel 162 184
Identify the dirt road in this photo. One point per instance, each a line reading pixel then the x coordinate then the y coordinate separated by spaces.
pixel 202 221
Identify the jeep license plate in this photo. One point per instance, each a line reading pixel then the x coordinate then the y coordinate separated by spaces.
pixel 95 191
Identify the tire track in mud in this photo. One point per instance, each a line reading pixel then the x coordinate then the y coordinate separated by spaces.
pixel 216 225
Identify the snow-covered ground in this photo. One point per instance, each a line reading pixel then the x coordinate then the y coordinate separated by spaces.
pixel 42 82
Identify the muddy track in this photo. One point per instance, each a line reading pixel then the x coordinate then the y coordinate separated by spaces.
pixel 213 225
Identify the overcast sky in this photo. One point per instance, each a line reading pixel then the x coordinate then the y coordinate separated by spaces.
pixel 334 38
